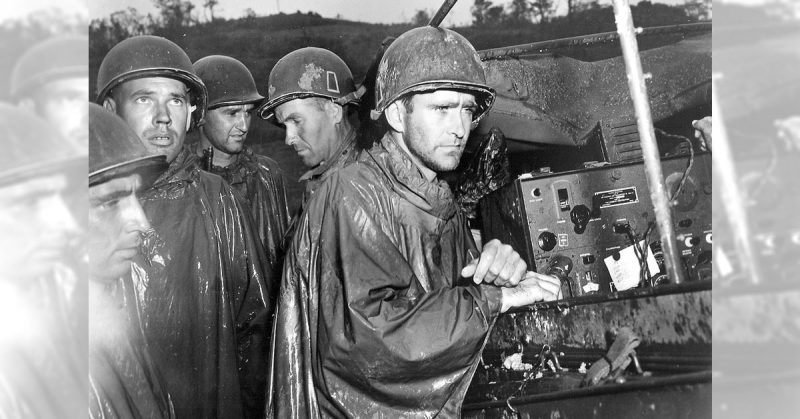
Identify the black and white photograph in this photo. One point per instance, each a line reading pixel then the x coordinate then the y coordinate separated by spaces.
pixel 241 209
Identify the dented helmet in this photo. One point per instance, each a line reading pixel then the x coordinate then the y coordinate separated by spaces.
pixel 227 80
pixel 309 72
pixel 116 151
pixel 149 56
pixel 426 59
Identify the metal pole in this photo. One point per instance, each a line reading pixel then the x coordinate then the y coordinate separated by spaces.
pixel 444 9
pixel 723 165
pixel 644 122
pixel 584 40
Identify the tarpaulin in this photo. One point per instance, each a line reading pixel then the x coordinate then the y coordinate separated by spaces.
pixel 371 321
pixel 205 299
pixel 556 99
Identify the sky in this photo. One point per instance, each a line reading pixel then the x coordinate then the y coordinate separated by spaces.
pixel 15 9
pixel 374 11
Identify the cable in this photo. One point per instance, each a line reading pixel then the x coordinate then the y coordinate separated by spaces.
pixel 688 166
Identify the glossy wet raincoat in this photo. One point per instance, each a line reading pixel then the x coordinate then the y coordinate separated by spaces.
pixel 204 301
pixel 259 180
pixel 123 382
pixel 373 319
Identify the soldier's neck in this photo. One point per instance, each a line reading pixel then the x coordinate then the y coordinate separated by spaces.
pixel 221 158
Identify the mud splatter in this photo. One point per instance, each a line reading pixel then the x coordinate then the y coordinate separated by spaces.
pixel 312 73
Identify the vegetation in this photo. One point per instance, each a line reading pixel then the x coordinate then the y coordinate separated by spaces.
pixel 259 41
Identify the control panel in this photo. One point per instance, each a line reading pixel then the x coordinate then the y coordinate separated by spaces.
pixel 599 217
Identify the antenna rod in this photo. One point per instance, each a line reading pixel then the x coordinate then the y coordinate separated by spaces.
pixel 444 9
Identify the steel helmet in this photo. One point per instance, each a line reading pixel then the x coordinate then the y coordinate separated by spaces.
pixel 55 58
pixel 309 72
pixel 428 58
pixel 227 80
pixel 149 56
pixel 32 147
pixel 115 150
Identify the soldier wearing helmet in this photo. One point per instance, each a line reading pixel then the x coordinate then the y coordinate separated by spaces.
pixel 42 298
pixel 313 96
pixel 232 98
pixel 52 80
pixel 383 262
pixel 122 379
pixel 205 298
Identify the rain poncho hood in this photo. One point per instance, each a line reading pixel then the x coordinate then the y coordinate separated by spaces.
pixel 373 319
pixel 204 298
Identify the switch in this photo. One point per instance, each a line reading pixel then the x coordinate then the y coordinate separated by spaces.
pixel 563 199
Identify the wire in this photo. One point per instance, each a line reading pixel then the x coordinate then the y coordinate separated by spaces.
pixel 688 166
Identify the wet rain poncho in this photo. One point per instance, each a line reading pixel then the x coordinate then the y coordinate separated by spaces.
pixel 344 155
pixel 373 319
pixel 43 363
pixel 259 180
pixel 123 382
pixel 204 300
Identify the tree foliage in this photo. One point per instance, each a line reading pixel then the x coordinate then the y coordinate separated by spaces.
pixel 421 18
pixel 175 13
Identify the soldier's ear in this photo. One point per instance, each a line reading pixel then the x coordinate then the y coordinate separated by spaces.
pixel 395 115
pixel 109 104
pixel 335 111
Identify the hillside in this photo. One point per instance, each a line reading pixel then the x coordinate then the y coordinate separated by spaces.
pixel 259 42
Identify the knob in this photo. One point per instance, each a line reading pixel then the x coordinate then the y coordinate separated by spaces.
pixel 560 266
pixel 580 216
pixel 547 241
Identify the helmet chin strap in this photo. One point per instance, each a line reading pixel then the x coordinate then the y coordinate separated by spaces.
pixel 189 119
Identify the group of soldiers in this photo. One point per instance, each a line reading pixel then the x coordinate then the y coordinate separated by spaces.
pixel 207 300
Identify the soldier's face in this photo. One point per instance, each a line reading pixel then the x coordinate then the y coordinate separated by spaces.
pixel 226 127
pixel 63 103
pixel 116 224
pixel 310 129
pixel 158 110
pixel 437 129
pixel 36 224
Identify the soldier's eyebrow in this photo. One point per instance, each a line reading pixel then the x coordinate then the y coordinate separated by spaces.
pixel 114 195
pixel 143 92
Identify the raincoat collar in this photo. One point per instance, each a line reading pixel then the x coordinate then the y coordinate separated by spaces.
pixel 344 150
pixel 240 168
pixel 180 169
pixel 433 197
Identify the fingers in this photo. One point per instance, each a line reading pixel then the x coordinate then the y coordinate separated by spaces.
pixel 550 285
pixel 469 270
pixel 499 264
pixel 485 261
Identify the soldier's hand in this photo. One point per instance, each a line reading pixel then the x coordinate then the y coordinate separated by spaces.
pixel 498 264
pixel 533 287
pixel 702 131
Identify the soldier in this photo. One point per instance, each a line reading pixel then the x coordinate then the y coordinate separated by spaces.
pixel 377 316
pixel 123 381
pixel 42 300
pixel 52 80
pixel 205 301
pixel 232 98
pixel 313 96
